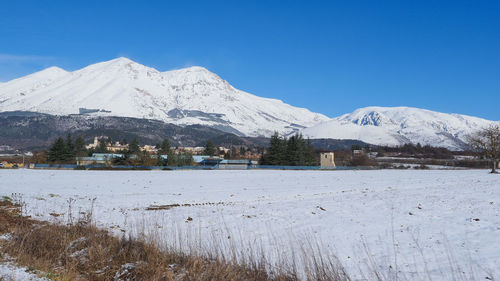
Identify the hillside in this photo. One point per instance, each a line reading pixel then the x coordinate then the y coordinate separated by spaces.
pixel 27 130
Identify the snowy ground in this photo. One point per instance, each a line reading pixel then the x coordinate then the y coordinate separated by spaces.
pixel 12 272
pixel 9 271
pixel 451 218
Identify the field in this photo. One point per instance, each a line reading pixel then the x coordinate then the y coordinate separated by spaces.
pixel 419 224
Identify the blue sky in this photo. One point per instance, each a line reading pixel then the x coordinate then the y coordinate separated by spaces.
pixel 329 56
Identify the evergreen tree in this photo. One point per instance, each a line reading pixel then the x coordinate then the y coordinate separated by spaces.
pixel 79 148
pixel 164 148
pixel 234 153
pixel 310 157
pixel 355 147
pixel 185 159
pixel 57 151
pixel 242 151
pixel 209 148
pixel 292 147
pixel 133 147
pixel 277 151
pixel 69 151
pixel 172 158
pixel 294 151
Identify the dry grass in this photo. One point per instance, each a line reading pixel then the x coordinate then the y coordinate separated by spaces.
pixel 80 251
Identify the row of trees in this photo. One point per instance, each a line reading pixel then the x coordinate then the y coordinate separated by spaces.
pixel 65 150
pixel 233 153
pixel 417 150
pixel 293 151
pixel 173 158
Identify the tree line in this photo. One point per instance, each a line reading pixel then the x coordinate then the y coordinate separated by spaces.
pixel 417 150
pixel 173 158
pixel 65 150
pixel 292 151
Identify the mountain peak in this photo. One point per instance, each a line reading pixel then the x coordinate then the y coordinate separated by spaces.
pixel 49 73
pixel 54 69
pixel 191 69
pixel 196 68
pixel 122 59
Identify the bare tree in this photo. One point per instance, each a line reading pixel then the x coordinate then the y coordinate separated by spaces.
pixel 487 142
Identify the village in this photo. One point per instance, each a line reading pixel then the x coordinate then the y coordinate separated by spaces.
pixel 103 153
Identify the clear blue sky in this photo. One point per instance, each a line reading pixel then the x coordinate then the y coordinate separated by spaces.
pixel 329 56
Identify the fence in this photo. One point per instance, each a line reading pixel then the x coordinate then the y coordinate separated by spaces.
pixel 215 167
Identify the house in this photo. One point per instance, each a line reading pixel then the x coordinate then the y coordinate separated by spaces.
pixel 5 148
pixel 206 160
pixel 117 146
pixel 223 149
pixel 357 152
pixel 327 160
pixel 194 150
pixel 98 159
pixel 149 148
pixel 113 147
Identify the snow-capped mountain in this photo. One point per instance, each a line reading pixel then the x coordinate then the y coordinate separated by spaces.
pixel 399 125
pixel 194 95
pixel 121 87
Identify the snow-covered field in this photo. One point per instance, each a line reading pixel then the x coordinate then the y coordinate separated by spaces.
pixel 401 217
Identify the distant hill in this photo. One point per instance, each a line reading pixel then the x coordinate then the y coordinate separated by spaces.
pixel 399 125
pixel 30 130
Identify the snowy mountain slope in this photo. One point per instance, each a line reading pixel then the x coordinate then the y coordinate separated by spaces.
pixel 399 125
pixel 121 87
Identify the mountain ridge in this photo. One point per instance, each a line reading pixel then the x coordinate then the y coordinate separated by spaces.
pixel 197 96
pixel 122 87
pixel 399 125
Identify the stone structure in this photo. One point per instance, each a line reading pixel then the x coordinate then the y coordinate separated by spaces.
pixel 327 160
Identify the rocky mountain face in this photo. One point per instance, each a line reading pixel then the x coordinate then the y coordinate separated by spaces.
pixel 29 130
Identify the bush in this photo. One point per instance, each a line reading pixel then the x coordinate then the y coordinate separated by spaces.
pixel 363 160
pixel 421 167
